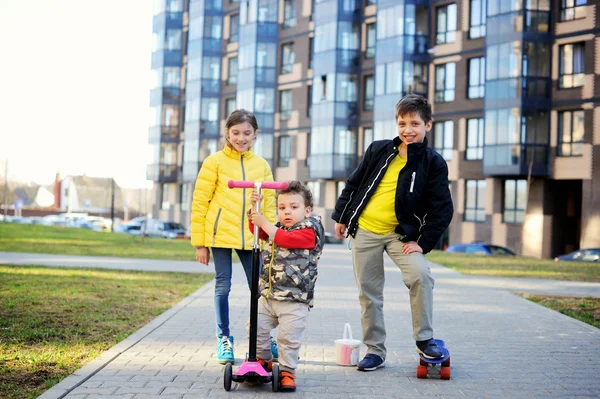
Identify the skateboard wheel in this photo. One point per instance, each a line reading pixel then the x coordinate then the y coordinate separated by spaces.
pixel 446 363
pixel 445 373
pixel 227 376
pixel 422 372
pixel 275 378
pixel 423 362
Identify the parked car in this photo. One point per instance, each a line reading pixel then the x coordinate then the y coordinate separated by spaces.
pixel 581 255
pixel 158 228
pixel 128 228
pixel 480 248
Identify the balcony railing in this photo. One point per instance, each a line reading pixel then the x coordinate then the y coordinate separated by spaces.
pixel 516 160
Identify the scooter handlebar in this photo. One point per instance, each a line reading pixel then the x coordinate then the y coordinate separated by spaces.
pixel 273 185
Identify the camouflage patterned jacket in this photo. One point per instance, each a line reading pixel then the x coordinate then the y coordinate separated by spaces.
pixel 293 273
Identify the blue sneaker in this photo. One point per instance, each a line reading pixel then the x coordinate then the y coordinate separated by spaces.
pixel 274 350
pixel 225 350
pixel 430 349
pixel 371 362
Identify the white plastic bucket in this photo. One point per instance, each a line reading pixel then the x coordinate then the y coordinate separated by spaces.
pixel 347 350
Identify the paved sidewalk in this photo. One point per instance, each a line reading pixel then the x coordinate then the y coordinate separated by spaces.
pixel 501 345
pixel 104 262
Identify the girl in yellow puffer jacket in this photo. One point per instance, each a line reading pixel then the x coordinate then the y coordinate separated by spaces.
pixel 219 214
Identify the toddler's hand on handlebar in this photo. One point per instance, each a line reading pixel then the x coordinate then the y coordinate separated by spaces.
pixel 254 197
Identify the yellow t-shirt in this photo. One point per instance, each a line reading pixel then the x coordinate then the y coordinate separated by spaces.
pixel 379 216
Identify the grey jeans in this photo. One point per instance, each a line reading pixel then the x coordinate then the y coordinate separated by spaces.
pixel 367 257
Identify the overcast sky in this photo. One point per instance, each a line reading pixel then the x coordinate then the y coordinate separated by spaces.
pixel 74 89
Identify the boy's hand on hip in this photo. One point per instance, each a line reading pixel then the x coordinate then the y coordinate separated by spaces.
pixel 203 255
pixel 410 247
pixel 340 230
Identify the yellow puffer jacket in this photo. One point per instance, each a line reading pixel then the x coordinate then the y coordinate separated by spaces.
pixel 219 212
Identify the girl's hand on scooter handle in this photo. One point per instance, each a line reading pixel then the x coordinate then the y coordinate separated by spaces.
pixel 255 197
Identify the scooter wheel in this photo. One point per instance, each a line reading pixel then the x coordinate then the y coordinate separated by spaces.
pixel 275 378
pixel 227 376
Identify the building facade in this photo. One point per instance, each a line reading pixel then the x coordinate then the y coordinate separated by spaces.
pixel 512 84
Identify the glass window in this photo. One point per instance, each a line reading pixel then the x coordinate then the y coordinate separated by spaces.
pixel 315 189
pixel 285 151
pixel 287 58
pixel 285 104
pixel 371 37
pixel 475 201
pixel 570 133
pixel 172 77
pixel 347 86
pixel 443 139
pixel 232 71
pixel 211 68
pixel 164 200
pixel 515 201
pixel 230 106
pixel 173 39
pixel 571 65
pixel 390 22
pixel 264 100
pixel 234 27
pixel 477 19
pixel 445 83
pixel 369 93
pixel 474 139
pixel 185 197
pixel 367 138
pixel 212 27
pixel 289 14
pixel 446 24
pixel 572 9
pixel 476 78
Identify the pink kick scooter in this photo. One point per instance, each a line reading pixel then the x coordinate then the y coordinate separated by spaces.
pixel 251 370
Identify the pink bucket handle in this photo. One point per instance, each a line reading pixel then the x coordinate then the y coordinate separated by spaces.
pixel 273 185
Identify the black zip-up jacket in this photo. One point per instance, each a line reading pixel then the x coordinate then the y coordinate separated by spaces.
pixel 423 202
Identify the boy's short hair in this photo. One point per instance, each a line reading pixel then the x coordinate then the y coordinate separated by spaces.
pixel 296 187
pixel 414 104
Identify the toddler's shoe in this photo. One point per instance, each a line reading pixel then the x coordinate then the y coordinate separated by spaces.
pixel 429 349
pixel 286 381
pixel 225 350
pixel 268 366
pixel 274 350
pixel 371 362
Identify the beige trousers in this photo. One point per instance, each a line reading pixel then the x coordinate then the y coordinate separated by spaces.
pixel 367 257
pixel 291 317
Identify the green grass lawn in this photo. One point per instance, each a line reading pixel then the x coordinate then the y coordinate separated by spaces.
pixel 73 241
pixel 517 266
pixel 582 309
pixel 55 320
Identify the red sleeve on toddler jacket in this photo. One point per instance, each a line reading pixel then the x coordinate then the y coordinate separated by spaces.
pixel 297 239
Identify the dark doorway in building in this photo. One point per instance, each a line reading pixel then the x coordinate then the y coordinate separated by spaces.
pixel 564 204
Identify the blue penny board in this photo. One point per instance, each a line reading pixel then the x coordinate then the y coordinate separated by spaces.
pixel 437 361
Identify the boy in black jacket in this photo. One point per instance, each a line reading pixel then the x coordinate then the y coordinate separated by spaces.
pixel 414 178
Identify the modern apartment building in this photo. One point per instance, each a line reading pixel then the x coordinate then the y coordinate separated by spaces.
pixel 512 83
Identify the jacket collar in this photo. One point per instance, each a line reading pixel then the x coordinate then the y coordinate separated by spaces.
pixel 412 147
pixel 230 152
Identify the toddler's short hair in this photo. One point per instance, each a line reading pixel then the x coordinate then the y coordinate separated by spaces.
pixel 296 187
pixel 414 104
